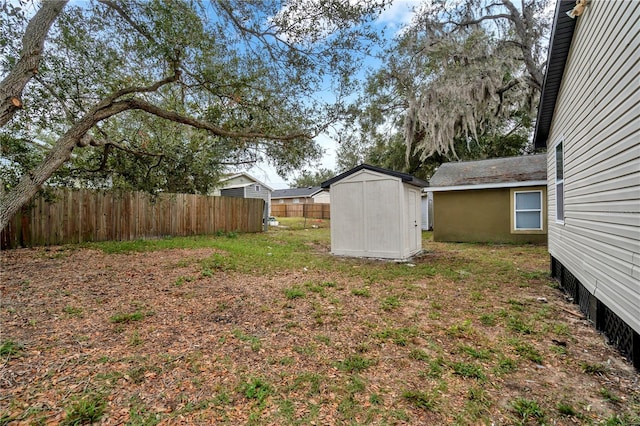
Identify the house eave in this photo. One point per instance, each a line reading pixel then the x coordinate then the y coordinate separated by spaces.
pixel 559 46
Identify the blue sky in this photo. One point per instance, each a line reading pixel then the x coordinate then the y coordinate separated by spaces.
pixel 392 20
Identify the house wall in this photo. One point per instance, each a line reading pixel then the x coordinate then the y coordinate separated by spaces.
pixel 263 193
pixel 481 215
pixel 369 216
pixel 427 211
pixel 597 117
pixel 322 197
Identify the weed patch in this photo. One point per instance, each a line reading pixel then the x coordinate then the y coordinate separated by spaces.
pixel 11 349
pixel 420 399
pixel 354 364
pixel 85 410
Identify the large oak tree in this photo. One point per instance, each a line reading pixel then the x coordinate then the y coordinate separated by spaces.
pixel 460 82
pixel 238 81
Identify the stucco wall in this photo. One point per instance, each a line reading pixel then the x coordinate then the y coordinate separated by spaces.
pixel 478 216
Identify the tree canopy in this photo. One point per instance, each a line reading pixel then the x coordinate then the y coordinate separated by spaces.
pixel 161 95
pixel 308 178
pixel 460 82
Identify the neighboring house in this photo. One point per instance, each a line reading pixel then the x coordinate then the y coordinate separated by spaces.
pixel 589 123
pixel 311 194
pixel 243 185
pixel 375 212
pixel 501 200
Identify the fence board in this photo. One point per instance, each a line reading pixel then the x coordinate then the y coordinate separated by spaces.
pixel 311 210
pixel 83 215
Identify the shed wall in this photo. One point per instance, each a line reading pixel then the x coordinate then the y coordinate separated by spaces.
pixel 361 224
pixel 369 217
pixel 479 215
pixel 597 117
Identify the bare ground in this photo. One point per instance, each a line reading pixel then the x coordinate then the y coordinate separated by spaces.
pixel 235 348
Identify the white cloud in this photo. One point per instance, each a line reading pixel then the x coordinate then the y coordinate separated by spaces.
pixel 399 14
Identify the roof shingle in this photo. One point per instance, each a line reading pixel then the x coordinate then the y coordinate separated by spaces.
pixel 495 170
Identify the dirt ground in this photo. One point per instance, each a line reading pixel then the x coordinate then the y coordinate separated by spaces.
pixel 149 338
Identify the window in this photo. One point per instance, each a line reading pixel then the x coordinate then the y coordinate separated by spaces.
pixel 296 201
pixel 257 188
pixel 528 210
pixel 559 157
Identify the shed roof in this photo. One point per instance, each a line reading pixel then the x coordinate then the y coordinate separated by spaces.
pixel 309 191
pixel 405 177
pixel 561 36
pixel 499 171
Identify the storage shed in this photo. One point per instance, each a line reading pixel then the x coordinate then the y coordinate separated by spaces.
pixel 376 213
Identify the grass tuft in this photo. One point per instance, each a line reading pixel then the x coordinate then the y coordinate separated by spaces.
pixel 86 410
pixel 419 399
pixel 11 349
pixel 354 364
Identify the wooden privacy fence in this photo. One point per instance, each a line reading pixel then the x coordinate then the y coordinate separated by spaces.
pixel 83 215
pixel 312 210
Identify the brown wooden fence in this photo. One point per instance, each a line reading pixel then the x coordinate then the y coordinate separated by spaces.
pixel 82 215
pixel 312 210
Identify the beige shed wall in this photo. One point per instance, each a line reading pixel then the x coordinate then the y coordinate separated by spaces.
pixel 479 215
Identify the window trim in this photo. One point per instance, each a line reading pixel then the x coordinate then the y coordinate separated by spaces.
pixel 543 222
pixel 559 183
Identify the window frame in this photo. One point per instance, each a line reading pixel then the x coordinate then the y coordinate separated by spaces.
pixel 559 182
pixel 538 210
pixel 542 190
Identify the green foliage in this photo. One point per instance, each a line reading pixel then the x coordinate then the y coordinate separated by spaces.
pixel 609 396
pixel 72 311
pixel 466 369
pixel 256 388
pixel 420 399
pixel 565 409
pixel 181 92
pixel 527 409
pixel 86 410
pixel 399 336
pixel 363 292
pixel 124 317
pixel 309 179
pixel 294 292
pixel 354 364
pixel 527 351
pixel 389 303
pixel 419 354
pixel 254 341
pixel 10 348
pixel 449 91
pixel 594 369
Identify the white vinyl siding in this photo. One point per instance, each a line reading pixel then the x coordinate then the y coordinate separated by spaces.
pixel 597 117
pixel 528 210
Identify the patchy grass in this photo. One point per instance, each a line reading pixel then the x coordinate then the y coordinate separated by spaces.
pixel 271 329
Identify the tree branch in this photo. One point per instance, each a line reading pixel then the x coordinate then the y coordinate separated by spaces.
pixel 140 104
pixel 124 15
pixel 13 84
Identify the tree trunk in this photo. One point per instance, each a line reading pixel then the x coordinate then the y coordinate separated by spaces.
pixel 30 184
pixel 27 66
